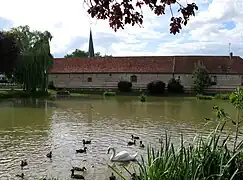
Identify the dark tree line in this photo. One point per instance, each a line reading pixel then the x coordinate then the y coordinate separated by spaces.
pixel 79 54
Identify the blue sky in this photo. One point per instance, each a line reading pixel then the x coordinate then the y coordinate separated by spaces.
pixel 216 24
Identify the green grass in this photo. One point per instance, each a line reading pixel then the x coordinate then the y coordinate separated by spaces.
pixel 222 96
pixel 53 93
pixel 203 97
pixel 109 93
pixel 5 94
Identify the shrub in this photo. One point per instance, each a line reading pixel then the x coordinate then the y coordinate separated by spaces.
pixel 156 87
pixel 174 86
pixel 108 93
pixel 203 97
pixel 51 85
pixel 125 86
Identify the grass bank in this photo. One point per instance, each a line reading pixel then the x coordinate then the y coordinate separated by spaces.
pixel 51 94
pixel 220 96
pixel 7 94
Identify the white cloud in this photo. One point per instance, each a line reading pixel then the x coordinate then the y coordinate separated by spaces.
pixel 68 20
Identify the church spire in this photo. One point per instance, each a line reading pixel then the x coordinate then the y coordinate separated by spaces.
pixel 91 45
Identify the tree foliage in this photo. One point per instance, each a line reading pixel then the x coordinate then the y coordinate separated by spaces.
pixel 9 52
pixel 35 57
pixel 130 12
pixel 79 54
pixel 201 79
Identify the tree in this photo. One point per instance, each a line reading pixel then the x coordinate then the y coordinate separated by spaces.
pixel 201 79
pixel 35 58
pixel 79 54
pixel 130 12
pixel 9 52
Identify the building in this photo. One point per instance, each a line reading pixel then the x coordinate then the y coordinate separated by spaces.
pixel 105 73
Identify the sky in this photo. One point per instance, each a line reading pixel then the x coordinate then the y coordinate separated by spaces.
pixel 216 24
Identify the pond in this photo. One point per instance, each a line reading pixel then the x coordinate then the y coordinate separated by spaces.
pixel 30 129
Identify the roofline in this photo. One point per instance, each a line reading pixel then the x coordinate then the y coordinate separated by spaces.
pixel 110 57
pixel 139 73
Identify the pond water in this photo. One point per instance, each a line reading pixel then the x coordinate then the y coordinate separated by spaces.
pixel 30 129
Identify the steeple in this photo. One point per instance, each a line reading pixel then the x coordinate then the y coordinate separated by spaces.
pixel 91 45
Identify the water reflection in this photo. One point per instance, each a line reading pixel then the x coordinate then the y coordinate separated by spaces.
pixel 33 128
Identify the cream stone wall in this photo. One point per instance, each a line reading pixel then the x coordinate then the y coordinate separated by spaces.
pixel 106 80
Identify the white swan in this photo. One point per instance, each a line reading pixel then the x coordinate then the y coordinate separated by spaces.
pixel 122 156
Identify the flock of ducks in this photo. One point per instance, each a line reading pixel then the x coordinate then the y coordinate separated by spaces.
pixel 134 138
pixel 49 155
pixel 82 169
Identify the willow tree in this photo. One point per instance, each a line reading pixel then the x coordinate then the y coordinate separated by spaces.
pixel 35 58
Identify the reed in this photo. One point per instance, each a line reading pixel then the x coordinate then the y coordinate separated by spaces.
pixel 205 158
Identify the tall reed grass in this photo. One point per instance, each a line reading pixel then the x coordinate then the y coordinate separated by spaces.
pixel 205 158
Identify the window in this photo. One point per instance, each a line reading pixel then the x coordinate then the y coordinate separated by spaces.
pixel 133 78
pixel 89 79
pixel 242 80
pixel 214 80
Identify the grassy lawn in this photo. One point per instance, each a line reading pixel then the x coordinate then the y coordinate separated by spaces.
pixel 53 93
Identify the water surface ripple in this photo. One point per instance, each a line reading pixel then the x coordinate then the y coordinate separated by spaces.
pixel 30 132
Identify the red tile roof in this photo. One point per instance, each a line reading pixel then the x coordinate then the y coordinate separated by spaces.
pixel 148 64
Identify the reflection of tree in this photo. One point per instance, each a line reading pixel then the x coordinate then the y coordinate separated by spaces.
pixel 25 123
pixel 32 103
pixel 90 111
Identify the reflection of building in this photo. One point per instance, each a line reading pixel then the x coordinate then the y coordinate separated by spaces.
pixel 106 72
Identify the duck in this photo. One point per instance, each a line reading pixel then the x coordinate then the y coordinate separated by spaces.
pixel 20 175
pixel 81 150
pixel 131 143
pixel 49 155
pixel 141 144
pixel 112 177
pixel 79 169
pixel 76 176
pixel 23 163
pixel 135 177
pixel 135 137
pixel 86 142
pixel 207 119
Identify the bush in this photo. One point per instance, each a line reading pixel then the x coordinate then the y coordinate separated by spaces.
pixel 174 86
pixel 125 86
pixel 156 87
pixel 51 85
pixel 203 97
